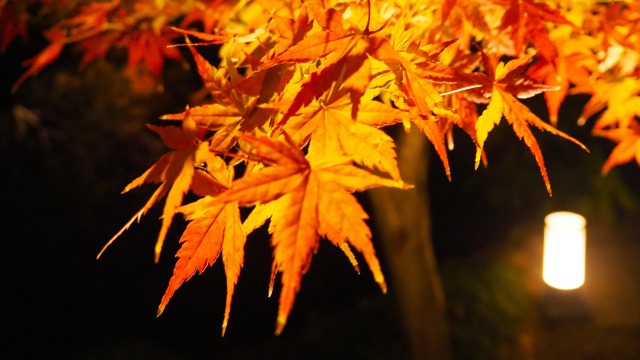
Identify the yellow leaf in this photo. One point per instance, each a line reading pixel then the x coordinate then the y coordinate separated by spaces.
pixel 490 117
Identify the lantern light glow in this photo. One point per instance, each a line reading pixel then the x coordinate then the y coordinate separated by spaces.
pixel 564 250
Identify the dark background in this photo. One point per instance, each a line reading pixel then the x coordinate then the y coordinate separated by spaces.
pixel 62 175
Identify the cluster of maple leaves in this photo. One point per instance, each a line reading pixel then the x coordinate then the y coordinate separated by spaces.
pixel 304 88
pixel 97 27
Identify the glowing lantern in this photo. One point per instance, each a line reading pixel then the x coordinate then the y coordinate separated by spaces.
pixel 564 250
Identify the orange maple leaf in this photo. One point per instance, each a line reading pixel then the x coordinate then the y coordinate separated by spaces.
pixel 291 31
pixel 628 147
pixel 38 62
pixel 151 47
pixel 214 229
pixel 619 99
pixel 561 71
pixel 508 81
pixel 175 172
pixel 525 20
pixel 312 199
pixel 328 127
pixel 13 22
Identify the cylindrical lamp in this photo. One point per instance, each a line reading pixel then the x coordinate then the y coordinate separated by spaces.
pixel 564 250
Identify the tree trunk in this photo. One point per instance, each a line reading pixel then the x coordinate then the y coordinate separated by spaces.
pixel 403 220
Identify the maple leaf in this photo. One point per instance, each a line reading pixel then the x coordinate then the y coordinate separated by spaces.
pixel 526 18
pixel 620 101
pixel 509 83
pixel 628 147
pixel 310 198
pixel 38 62
pixel 13 23
pixel 560 72
pixel 291 31
pixel 174 171
pixel 563 61
pixel 214 229
pixel 466 20
pixel 151 47
pixel 328 127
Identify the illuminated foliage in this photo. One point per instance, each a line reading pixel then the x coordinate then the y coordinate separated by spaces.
pixel 301 90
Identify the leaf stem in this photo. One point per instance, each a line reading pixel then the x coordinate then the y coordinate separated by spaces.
pixel 366 29
pixel 461 89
